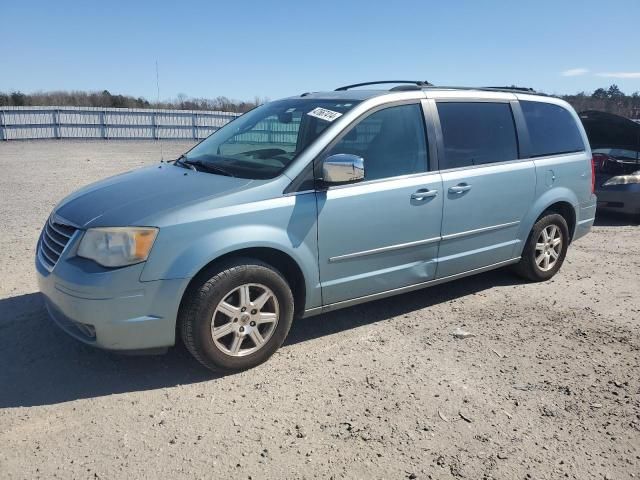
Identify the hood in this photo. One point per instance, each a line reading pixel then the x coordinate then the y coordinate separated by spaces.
pixel 606 130
pixel 131 197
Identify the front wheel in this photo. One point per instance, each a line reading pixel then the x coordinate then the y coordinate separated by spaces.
pixel 546 248
pixel 237 316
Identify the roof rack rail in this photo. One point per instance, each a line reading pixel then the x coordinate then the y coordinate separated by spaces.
pixel 512 89
pixel 418 83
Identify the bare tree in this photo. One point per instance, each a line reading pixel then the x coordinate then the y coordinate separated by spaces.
pixel 107 99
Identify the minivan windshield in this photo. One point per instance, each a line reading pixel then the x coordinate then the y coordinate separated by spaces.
pixel 261 143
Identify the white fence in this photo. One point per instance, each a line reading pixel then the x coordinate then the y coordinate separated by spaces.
pixel 108 123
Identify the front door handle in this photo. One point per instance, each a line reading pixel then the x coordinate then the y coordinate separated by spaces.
pixel 423 194
pixel 460 188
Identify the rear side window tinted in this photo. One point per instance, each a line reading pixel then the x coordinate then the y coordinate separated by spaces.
pixel 552 129
pixel 477 133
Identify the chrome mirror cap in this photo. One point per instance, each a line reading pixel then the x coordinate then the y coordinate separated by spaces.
pixel 343 168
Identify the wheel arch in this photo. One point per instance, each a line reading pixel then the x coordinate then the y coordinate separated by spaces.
pixel 567 211
pixel 274 257
pixel 560 200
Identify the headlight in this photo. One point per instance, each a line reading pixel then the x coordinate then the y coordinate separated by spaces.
pixel 623 179
pixel 117 246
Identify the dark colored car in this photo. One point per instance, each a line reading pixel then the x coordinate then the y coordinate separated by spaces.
pixel 615 143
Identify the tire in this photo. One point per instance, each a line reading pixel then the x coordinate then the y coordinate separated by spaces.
pixel 216 303
pixel 529 267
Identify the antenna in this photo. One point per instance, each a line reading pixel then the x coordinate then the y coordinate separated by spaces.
pixel 157 104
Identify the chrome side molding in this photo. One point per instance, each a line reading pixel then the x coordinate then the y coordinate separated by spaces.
pixel 409 288
pixel 399 246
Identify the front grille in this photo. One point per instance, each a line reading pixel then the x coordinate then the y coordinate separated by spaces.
pixel 54 239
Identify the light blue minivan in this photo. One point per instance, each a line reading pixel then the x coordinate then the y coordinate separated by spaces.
pixel 314 203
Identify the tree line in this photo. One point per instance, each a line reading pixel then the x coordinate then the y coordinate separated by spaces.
pixel 105 99
pixel 610 99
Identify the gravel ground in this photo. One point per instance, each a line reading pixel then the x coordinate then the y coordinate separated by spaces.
pixel 548 388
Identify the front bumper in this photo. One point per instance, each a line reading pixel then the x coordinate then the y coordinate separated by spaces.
pixel 620 198
pixel 111 308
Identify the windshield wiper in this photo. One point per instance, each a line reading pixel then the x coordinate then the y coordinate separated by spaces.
pixel 182 160
pixel 204 165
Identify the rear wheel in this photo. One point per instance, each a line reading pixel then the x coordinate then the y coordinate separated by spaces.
pixel 237 316
pixel 546 248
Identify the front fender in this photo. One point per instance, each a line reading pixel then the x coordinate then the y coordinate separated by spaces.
pixel 288 225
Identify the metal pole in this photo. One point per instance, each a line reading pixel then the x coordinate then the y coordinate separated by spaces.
pixel 194 125
pixel 103 126
pixel 56 124
pixel 154 125
pixel 3 133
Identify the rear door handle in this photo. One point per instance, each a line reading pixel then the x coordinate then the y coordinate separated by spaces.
pixel 460 188
pixel 424 193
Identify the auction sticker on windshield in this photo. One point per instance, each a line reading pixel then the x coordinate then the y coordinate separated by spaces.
pixel 324 114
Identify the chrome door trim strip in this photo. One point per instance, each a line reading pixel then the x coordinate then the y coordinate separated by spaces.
pixel 586 220
pixel 373 251
pixel 466 233
pixel 485 165
pixel 399 246
pixel 408 288
pixel 310 312
pixel 301 192
pixel 416 175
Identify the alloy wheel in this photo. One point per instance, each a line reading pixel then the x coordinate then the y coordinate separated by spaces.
pixel 548 247
pixel 245 320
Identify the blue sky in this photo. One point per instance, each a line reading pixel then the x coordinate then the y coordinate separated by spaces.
pixel 245 48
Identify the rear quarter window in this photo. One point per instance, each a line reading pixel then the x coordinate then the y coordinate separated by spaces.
pixel 552 129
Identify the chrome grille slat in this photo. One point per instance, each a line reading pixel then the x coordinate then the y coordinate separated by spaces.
pixel 64 228
pixel 55 235
pixel 46 262
pixel 51 254
pixel 51 237
pixel 59 249
pixel 53 241
pixel 59 232
pixel 53 262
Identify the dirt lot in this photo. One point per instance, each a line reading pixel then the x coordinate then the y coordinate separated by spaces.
pixel 548 388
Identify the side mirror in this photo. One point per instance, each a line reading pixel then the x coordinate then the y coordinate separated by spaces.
pixel 342 168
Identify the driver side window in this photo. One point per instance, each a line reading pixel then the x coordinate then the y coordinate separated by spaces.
pixel 392 142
